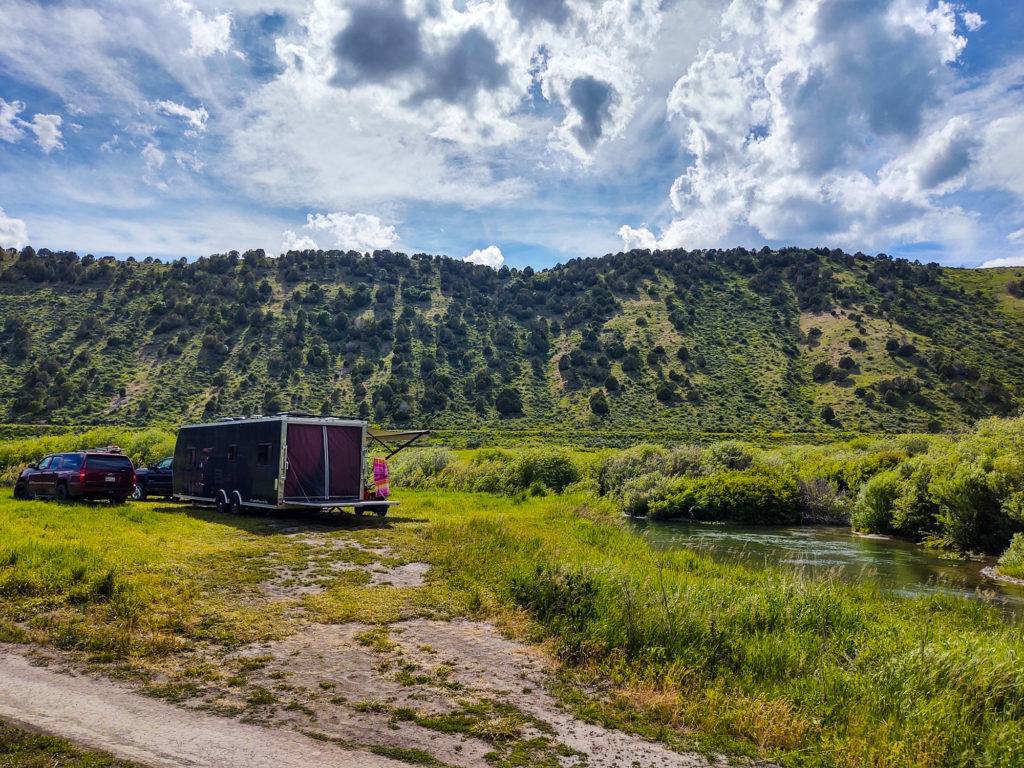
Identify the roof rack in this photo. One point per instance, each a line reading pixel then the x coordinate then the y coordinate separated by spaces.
pixel 107 449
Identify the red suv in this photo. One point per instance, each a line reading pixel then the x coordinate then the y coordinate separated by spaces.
pixel 106 474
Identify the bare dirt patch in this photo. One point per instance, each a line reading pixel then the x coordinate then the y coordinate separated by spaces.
pixel 457 690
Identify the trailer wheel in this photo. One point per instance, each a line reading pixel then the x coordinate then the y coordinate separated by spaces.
pixel 380 510
pixel 235 507
pixel 222 503
pixel 359 510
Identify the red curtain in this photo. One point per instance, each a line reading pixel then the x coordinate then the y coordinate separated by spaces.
pixel 344 449
pixel 306 475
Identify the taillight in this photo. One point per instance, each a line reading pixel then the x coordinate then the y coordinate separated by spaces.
pixel 81 476
pixel 135 477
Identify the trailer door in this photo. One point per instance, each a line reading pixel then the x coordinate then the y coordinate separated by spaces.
pixel 306 477
pixel 345 455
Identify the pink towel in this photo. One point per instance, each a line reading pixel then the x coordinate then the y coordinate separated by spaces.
pixel 380 478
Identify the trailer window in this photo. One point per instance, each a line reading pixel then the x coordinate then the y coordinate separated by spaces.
pixel 190 456
pixel 263 454
pixel 232 452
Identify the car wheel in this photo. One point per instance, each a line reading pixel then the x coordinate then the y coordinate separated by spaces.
pixel 139 492
pixel 62 493
pixel 222 504
pixel 21 490
pixel 235 507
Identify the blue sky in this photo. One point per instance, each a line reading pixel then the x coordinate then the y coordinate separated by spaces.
pixel 515 131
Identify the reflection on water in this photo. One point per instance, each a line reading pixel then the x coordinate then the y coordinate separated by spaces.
pixel 896 566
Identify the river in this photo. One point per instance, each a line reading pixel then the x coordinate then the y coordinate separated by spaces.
pixel 893 565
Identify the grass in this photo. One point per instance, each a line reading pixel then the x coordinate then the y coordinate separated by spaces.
pixel 23 749
pixel 761 662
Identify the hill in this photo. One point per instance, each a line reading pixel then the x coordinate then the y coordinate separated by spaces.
pixel 711 340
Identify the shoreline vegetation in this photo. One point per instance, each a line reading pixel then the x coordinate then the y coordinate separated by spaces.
pixel 765 663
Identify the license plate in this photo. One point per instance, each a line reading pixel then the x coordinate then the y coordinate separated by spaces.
pixel 110 478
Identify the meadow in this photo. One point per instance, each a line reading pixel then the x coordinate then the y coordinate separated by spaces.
pixel 702 656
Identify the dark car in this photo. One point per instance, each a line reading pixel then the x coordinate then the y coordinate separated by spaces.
pixel 154 480
pixel 106 474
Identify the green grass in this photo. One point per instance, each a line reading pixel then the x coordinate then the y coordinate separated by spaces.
pixel 22 749
pixel 699 655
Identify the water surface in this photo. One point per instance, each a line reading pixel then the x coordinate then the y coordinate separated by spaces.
pixel 892 565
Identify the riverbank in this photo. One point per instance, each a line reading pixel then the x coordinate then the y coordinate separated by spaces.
pixel 670 645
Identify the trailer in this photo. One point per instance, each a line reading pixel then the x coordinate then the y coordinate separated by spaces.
pixel 288 461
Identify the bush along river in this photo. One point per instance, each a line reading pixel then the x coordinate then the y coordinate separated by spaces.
pixel 835 552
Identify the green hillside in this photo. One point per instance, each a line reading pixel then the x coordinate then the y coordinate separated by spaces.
pixel 731 340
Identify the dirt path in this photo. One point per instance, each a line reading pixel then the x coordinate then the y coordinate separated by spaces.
pixel 104 715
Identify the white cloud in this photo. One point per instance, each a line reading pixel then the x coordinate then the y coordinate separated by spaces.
pixel 194 117
pixel 293 242
pixel 972 20
pixel 45 127
pixel 10 124
pixel 354 231
pixel 13 232
pixel 209 34
pixel 153 156
pixel 821 121
pixel 47 131
pixel 1016 237
pixel 190 161
pixel 490 256
pixel 1005 261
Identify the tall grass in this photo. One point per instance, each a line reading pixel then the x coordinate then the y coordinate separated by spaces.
pixel 811 671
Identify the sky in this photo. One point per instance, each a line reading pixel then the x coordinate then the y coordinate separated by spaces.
pixel 516 132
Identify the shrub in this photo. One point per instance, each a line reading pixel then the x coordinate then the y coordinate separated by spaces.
pixel 1012 561
pixel 555 469
pixel 872 512
pixel 760 496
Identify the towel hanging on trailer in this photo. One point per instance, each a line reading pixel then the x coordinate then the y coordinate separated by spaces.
pixel 380 478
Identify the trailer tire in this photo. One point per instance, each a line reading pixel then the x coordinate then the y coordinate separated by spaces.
pixel 235 507
pixel 359 510
pixel 222 503
pixel 380 510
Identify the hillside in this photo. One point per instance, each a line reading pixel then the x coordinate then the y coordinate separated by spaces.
pixel 731 340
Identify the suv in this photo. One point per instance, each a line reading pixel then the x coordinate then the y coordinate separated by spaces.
pixel 154 480
pixel 102 474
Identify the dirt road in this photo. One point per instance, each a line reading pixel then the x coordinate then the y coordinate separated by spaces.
pixel 104 715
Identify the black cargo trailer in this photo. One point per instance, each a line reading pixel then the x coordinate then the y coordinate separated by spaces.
pixel 286 461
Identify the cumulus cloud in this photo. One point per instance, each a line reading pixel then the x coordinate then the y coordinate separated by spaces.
pixel 13 232
pixel 208 34
pixel 354 231
pixel 378 42
pixel 10 124
pixel 47 131
pixel 467 67
pixel 293 242
pixel 972 20
pixel 46 128
pixel 593 101
pixel 818 119
pixel 1005 261
pixel 196 118
pixel 533 11
pixel 491 256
